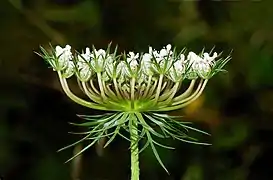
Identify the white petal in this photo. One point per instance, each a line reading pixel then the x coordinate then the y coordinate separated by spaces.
pixel 169 47
pixel 163 52
pixel 182 57
pixel 150 50
pixel 87 51
pixel 58 50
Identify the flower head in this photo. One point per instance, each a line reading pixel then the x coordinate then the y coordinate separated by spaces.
pixel 149 79
pixel 135 86
pixel 64 55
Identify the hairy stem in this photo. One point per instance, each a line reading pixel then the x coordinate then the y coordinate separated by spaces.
pixel 134 148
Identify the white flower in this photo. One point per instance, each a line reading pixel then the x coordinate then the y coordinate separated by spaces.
pixel 174 67
pixel 162 58
pixel 178 69
pixel 84 59
pixel 84 69
pixel 70 69
pixel 193 58
pixel 209 59
pixel 132 56
pixel 129 67
pixel 98 59
pixel 87 55
pixel 169 47
pixel 200 66
pixel 99 53
pixel 64 55
pixel 132 60
pixel 109 67
pixel 122 70
pixel 165 51
pixel 84 73
pixel 147 64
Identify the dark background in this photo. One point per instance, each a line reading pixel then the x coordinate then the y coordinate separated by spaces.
pixel 236 108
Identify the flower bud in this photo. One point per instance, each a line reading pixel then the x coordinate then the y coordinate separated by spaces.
pixel 84 73
pixel 109 67
pixel 133 68
pixel 202 68
pixel 84 70
pixel 163 60
pixel 70 70
pixel 64 55
pixel 177 71
pixel 146 64
pixel 98 59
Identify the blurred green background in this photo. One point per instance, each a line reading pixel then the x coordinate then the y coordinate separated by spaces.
pixel 236 108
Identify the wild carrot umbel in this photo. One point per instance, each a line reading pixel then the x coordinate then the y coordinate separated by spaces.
pixel 137 89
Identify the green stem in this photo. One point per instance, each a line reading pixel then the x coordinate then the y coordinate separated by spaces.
pixel 101 86
pixel 158 88
pixel 76 98
pixel 117 88
pixel 171 108
pixel 171 94
pixel 93 87
pixel 133 81
pixel 134 148
pixel 191 96
pixel 90 94
pixel 186 93
pixel 151 91
pixel 148 87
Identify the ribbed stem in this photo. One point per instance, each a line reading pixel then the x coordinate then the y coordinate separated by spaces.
pixel 101 86
pixel 159 87
pixel 76 98
pixel 171 108
pixel 134 148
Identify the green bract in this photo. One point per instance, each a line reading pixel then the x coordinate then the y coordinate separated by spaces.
pixel 136 88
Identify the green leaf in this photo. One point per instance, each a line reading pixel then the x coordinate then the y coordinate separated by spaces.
pixel 161 145
pixel 155 151
pixel 77 142
pixel 85 148
pixel 121 121
pixel 144 147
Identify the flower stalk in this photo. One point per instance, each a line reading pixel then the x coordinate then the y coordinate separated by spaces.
pixel 136 90
pixel 134 137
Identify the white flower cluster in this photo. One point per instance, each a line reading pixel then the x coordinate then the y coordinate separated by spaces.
pixel 125 82
pixel 174 66
pixel 64 56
